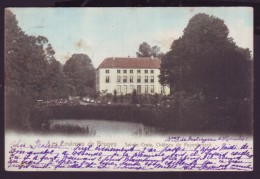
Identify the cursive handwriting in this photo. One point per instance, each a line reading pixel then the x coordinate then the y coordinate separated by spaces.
pixel 49 156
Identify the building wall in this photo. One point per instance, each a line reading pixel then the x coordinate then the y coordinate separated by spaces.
pixel 108 79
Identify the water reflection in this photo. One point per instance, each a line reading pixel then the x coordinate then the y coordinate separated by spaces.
pixel 100 128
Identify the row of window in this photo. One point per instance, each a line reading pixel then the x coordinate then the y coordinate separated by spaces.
pixel 124 79
pixel 132 71
pixel 123 89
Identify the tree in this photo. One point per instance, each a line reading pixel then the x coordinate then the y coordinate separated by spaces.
pixel 56 82
pixel 145 50
pixel 204 60
pixel 32 73
pixel 80 75
pixel 27 65
pixel 26 61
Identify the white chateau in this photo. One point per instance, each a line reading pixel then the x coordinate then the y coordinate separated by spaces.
pixel 126 74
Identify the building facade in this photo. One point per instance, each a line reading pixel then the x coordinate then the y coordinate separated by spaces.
pixel 126 74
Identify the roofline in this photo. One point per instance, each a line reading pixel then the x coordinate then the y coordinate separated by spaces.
pixel 99 67
pixel 126 68
pixel 102 63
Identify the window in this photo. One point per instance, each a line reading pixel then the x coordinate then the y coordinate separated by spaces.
pixel 124 89
pixel 131 79
pixel 118 71
pixel 107 79
pixel 107 71
pixel 131 71
pixel 138 79
pixel 138 89
pixel 146 79
pixel 131 88
pixel 118 79
pixel 152 88
pixel 124 71
pixel 146 89
pixel 138 71
pixel 152 79
pixel 118 89
pixel 152 71
pixel 124 79
pixel 145 71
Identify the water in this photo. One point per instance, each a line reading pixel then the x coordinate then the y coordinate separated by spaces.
pixel 100 128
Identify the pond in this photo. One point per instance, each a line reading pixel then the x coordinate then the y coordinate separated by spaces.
pixel 99 128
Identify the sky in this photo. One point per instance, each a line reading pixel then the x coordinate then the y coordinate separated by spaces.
pixel 118 32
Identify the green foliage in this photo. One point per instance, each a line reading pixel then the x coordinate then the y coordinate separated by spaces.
pixel 31 73
pixel 204 60
pixel 80 75
pixel 56 81
pixel 145 50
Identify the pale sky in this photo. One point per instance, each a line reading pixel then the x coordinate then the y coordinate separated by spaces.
pixel 118 32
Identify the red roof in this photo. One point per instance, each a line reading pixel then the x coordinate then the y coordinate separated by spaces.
pixel 140 62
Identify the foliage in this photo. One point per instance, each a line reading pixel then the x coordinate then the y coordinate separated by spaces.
pixel 56 81
pixel 80 75
pixel 145 50
pixel 31 73
pixel 205 61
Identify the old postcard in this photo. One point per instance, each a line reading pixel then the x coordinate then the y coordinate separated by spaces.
pixel 129 89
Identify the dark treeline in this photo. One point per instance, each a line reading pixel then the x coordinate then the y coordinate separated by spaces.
pixel 32 73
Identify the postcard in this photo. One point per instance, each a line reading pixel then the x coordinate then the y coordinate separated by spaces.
pixel 129 89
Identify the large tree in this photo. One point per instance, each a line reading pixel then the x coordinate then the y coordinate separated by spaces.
pixel 31 72
pixel 145 50
pixel 56 81
pixel 80 75
pixel 204 60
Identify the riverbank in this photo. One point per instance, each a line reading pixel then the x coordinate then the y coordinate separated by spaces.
pixel 186 119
